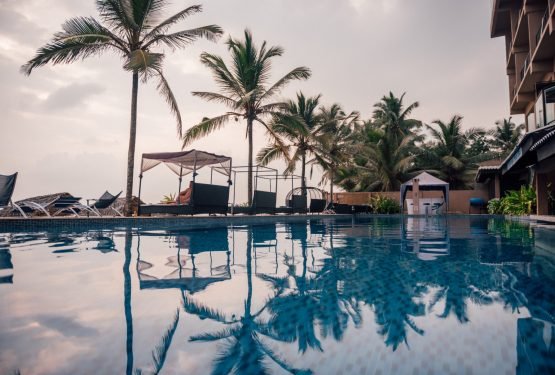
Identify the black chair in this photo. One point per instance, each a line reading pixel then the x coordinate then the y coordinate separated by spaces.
pixel 106 201
pixel 317 205
pixel 296 205
pixel 7 186
pixel 263 202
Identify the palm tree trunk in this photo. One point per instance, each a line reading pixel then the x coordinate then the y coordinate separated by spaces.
pixel 127 303
pixel 331 188
pixel 131 151
pixel 249 186
pixel 303 173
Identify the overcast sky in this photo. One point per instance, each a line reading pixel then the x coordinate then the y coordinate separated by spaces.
pixel 65 128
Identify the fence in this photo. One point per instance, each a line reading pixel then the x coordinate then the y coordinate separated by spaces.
pixel 458 199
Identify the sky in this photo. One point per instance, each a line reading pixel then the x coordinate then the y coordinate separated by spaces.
pixel 66 127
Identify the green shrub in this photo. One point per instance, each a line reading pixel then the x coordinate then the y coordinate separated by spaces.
pixel 519 202
pixel 384 205
pixel 168 199
pixel 495 207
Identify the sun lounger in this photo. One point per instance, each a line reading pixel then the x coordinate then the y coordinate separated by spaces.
pixel 7 186
pixel 317 205
pixel 206 199
pixel 50 205
pixel 296 205
pixel 263 202
pixel 105 202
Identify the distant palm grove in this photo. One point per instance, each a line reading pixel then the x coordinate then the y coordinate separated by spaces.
pixel 375 154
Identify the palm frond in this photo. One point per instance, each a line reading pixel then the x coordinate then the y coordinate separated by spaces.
pixel 161 352
pixel 82 37
pixel 202 311
pixel 218 98
pixel 295 74
pixel 163 26
pixel 184 38
pixel 117 14
pixel 215 336
pixel 165 90
pixel 269 154
pixel 205 127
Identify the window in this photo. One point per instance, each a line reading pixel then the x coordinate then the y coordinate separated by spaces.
pixel 531 121
pixel 549 96
pixel 538 109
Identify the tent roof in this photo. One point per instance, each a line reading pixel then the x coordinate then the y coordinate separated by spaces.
pixel 184 162
pixel 426 179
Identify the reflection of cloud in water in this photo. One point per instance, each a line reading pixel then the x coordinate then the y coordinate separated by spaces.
pixel 67 326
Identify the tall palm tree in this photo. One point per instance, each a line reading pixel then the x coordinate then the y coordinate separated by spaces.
pixel 129 28
pixel 333 141
pixel 393 117
pixel 245 90
pixel 447 154
pixel 506 135
pixel 295 125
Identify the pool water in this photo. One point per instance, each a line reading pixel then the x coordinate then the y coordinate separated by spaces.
pixel 384 295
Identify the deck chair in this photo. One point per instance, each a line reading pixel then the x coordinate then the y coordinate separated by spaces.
pixel 50 205
pixel 105 202
pixel 7 186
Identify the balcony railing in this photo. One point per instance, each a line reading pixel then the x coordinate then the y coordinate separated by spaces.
pixel 543 25
pixel 525 67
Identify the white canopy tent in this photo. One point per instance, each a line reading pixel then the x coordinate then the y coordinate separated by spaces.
pixel 426 182
pixel 183 163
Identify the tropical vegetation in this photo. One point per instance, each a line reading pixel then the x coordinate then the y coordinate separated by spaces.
pixel 515 202
pixel 132 30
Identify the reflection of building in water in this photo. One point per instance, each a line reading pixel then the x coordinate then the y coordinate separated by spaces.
pixel 199 259
pixel 6 265
pixel 428 238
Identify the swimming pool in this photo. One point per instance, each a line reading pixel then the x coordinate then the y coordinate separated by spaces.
pixel 380 295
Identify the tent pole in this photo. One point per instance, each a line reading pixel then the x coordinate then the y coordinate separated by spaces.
pixel 139 198
pixel 211 174
pixel 179 187
pixel 234 187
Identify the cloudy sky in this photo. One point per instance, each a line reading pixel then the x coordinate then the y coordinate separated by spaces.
pixel 65 128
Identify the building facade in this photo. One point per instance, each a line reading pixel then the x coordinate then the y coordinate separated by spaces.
pixel 528 27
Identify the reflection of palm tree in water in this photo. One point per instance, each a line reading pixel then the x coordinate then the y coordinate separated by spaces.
pixel 244 350
pixel 160 353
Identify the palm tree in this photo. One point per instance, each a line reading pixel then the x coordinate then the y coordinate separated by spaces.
pixel 447 156
pixel 506 136
pixel 388 164
pixel 391 115
pixel 333 140
pixel 295 125
pixel 129 28
pixel 245 90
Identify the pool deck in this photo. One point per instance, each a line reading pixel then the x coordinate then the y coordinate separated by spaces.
pixel 167 222
pixel 10 224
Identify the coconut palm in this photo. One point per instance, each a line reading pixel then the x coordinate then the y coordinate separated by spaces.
pixel 332 142
pixel 392 116
pixel 245 90
pixel 506 136
pixel 447 154
pixel 130 29
pixel 296 126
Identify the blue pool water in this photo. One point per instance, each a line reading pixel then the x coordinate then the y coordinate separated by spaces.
pixel 385 295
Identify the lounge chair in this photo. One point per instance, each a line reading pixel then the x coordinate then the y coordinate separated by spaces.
pixel 105 202
pixel 50 205
pixel 205 199
pixel 7 186
pixel 317 205
pixel 295 205
pixel 263 202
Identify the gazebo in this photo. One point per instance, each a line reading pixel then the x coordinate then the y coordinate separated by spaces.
pixel 425 182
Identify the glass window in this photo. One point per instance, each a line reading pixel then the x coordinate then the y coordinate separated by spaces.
pixel 531 122
pixel 549 95
pixel 539 112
